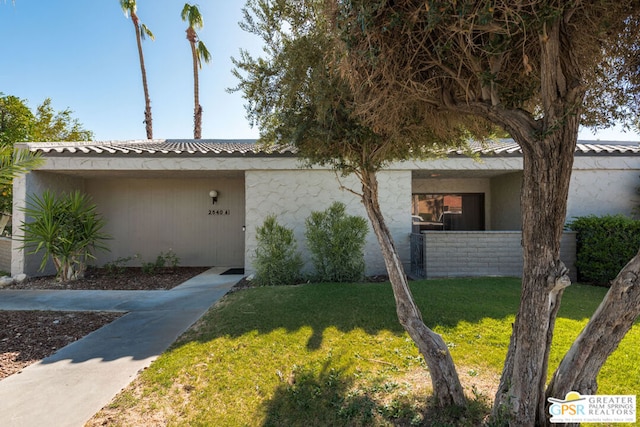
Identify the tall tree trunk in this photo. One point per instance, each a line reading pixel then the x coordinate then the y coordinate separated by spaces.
pixel 548 147
pixel 197 109
pixel 547 169
pixel 147 100
pixel 447 389
pixel 600 337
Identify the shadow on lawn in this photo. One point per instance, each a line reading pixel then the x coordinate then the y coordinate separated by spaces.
pixel 330 397
pixel 327 395
pixel 368 306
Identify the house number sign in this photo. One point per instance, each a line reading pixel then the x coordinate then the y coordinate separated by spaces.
pixel 219 212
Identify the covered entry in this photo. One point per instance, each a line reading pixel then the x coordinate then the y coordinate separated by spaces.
pixel 147 216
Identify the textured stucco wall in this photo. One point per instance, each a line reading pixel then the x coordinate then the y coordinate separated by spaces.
pixel 116 166
pixel 463 164
pixel 600 185
pixel 292 196
pixel 603 192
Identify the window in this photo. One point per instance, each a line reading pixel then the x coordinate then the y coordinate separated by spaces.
pixel 448 211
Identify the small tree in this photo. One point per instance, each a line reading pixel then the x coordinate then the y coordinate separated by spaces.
pixel 67 229
pixel 19 124
pixel 277 261
pixel 336 241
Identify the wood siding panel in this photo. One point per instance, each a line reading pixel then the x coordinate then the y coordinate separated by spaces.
pixel 149 216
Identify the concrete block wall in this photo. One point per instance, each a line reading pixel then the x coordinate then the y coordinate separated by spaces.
pixel 483 253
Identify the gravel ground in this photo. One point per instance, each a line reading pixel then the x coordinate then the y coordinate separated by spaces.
pixel 29 336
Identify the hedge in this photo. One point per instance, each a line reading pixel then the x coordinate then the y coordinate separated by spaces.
pixel 604 246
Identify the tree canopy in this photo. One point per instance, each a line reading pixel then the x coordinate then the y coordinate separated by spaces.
pixel 357 84
pixel 481 58
pixel 537 69
pixel 295 96
pixel 19 124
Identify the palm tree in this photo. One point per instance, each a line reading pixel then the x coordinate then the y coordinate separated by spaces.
pixel 16 162
pixel 199 53
pixel 129 7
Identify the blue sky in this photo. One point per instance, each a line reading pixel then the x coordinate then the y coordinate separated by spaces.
pixel 82 54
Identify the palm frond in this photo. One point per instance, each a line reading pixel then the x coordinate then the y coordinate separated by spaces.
pixel 203 54
pixel 16 162
pixel 146 32
pixel 128 6
pixel 192 15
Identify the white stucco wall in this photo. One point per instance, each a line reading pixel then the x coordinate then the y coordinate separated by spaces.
pixel 292 195
pixel 604 186
pixel 462 163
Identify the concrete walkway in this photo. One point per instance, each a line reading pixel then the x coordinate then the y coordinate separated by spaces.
pixel 69 387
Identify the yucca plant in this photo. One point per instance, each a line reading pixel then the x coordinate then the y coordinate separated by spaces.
pixel 67 228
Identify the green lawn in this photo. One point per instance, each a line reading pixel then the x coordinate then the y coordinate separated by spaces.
pixel 334 354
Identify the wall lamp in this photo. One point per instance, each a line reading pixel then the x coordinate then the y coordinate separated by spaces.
pixel 214 196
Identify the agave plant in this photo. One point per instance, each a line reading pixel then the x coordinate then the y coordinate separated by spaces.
pixel 67 229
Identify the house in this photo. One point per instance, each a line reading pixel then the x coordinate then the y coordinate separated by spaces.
pixel 203 199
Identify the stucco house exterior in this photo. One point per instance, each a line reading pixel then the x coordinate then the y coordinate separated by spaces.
pixel 156 196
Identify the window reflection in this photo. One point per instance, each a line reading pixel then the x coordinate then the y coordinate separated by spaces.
pixel 448 211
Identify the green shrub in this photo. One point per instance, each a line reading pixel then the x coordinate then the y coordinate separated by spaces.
pixel 336 242
pixel 604 246
pixel 170 260
pixel 277 261
pixel 6 199
pixel 67 229
pixel 118 266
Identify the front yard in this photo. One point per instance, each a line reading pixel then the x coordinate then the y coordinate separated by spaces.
pixel 334 354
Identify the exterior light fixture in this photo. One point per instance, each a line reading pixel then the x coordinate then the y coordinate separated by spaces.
pixel 214 196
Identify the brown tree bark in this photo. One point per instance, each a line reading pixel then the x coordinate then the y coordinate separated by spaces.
pixel 547 169
pixel 197 109
pixel 147 100
pixel 446 385
pixel 614 317
pixel 548 147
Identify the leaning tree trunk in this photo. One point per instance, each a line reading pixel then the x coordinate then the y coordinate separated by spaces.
pixel 606 328
pixel 447 389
